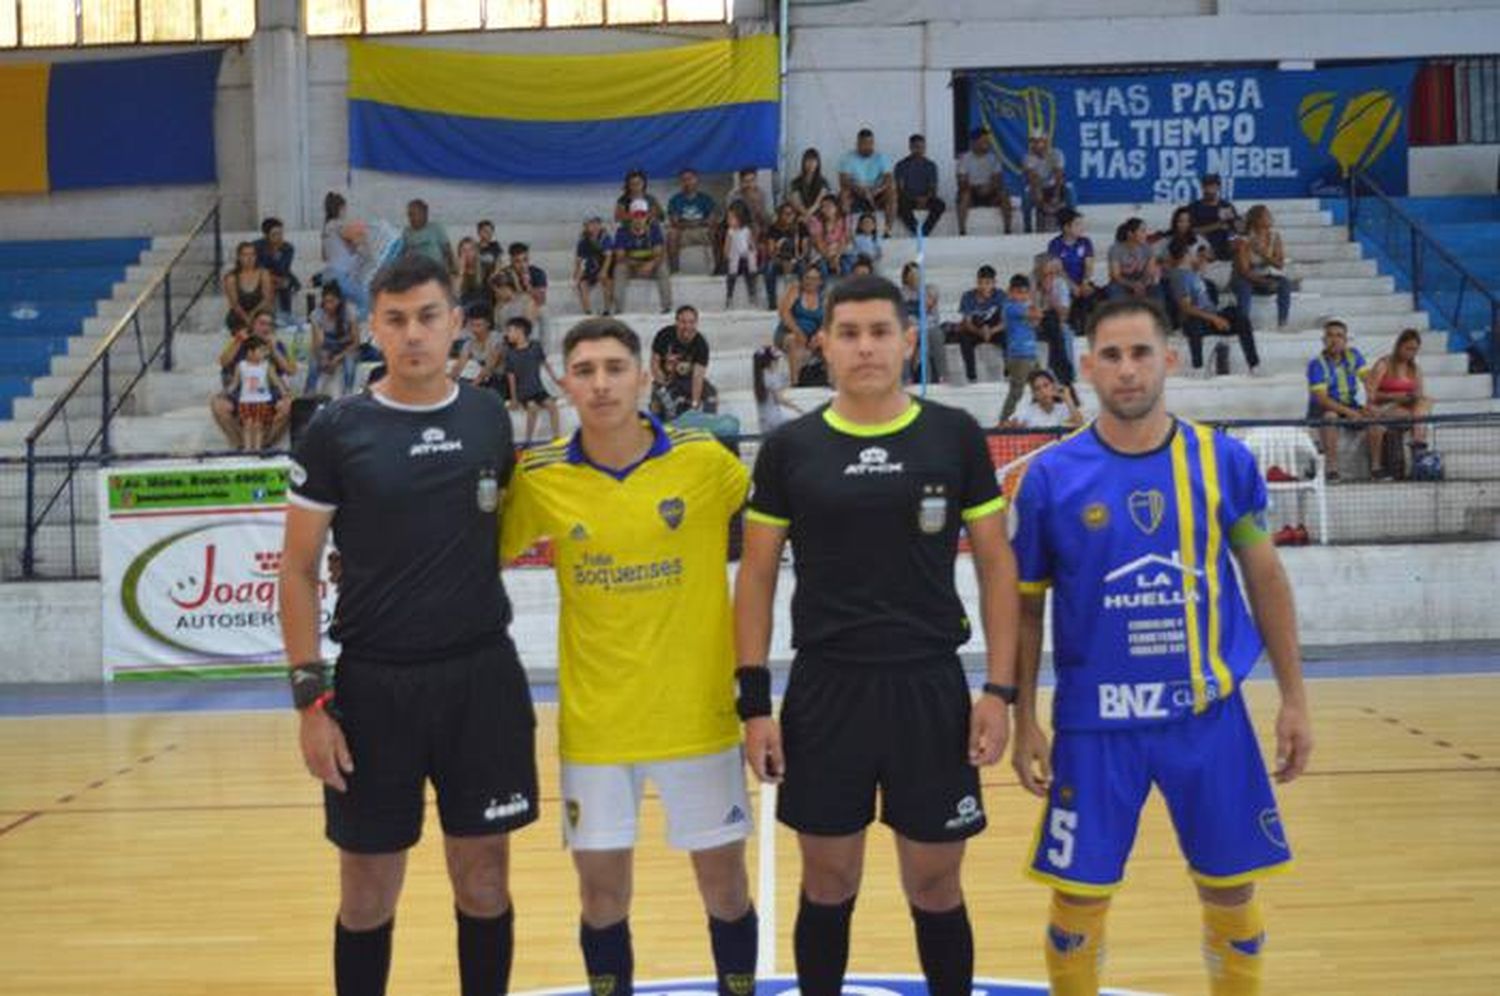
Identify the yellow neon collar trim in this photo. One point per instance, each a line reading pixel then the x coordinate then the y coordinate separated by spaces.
pixel 838 423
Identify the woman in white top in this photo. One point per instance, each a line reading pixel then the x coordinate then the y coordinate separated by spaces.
pixel 343 244
pixel 769 379
pixel 1260 265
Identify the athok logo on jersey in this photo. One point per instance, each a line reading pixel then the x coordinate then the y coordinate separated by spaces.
pixel 434 440
pixel 874 460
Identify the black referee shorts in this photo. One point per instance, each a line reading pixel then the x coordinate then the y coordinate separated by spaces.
pixel 465 722
pixel 850 729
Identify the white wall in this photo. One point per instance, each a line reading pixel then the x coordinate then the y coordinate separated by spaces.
pixel 1454 169
pixel 1379 595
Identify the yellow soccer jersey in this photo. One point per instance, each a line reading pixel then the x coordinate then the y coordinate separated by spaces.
pixel 646 638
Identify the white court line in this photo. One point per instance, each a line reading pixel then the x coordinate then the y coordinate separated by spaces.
pixel 765 961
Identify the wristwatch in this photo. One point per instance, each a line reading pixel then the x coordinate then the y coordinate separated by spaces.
pixel 309 685
pixel 1005 693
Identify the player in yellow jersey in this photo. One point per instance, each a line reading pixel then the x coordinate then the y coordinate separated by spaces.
pixel 638 515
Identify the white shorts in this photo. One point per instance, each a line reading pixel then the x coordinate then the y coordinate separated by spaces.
pixel 704 798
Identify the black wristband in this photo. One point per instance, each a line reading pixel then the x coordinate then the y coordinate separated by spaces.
pixel 309 683
pixel 754 691
pixel 1005 693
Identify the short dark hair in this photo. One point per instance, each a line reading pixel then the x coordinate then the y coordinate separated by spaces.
pixel 865 133
pixel 483 222
pixel 1179 246
pixel 864 288
pixel 270 223
pixel 520 322
pixel 1123 309
pixel 748 171
pixel 1066 217
pixel 417 202
pixel 1020 281
pixel 1329 323
pixel 916 138
pixel 411 270
pixel 474 311
pixel 1040 373
pixel 517 248
pixel 685 307
pixel 986 271
pixel 594 329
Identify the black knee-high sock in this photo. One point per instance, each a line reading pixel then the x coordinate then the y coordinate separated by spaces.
pixel 821 943
pixel 484 952
pixel 945 945
pixel 361 959
pixel 608 958
pixel 735 943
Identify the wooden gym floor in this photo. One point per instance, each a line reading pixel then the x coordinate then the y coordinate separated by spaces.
pixel 181 852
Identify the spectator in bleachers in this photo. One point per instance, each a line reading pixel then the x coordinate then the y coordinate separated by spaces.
pixel 640 251
pixel 937 354
pixel 863 266
pixel 1200 315
pixel 520 288
pixel 591 265
pixel 1397 392
pixel 634 189
pixel 334 342
pixel 692 219
pixel 679 368
pixel 981 182
pixel 1181 227
pixel 470 283
pixel 481 358
pixel 1054 298
pixel 1076 253
pixel 490 251
pixel 524 363
pixel 982 320
pixel 1133 272
pixel 741 254
pixel 247 288
pixel 784 249
pixel 262 329
pixel 808 188
pixel 426 237
pixel 1049 407
pixel 865 181
pixel 832 242
pixel 255 385
pixel 1021 319
pixel 917 187
pixel 275 254
pixel 769 382
pixel 801 316
pixel 344 243
pixel 1048 193
pixel 747 192
pixel 1335 393
pixel 1214 218
pixel 866 239
pixel 1260 265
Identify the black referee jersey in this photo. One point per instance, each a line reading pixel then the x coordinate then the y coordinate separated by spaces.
pixel 873 514
pixel 414 493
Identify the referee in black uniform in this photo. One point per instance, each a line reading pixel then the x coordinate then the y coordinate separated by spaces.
pixel 872 491
pixel 408 475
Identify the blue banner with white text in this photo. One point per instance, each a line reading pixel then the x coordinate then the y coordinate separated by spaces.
pixel 1148 137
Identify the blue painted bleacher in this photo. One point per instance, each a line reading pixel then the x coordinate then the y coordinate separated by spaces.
pixel 1469 229
pixel 47 289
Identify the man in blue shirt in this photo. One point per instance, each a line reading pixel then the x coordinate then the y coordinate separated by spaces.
pixel 692 219
pixel 639 250
pixel 865 181
pixel 983 319
pixel 917 187
pixel 1334 380
pixel 1137 523
pixel 1021 316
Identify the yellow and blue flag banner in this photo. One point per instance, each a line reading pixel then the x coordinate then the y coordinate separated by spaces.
pixel 108 123
pixel 550 118
pixel 1143 137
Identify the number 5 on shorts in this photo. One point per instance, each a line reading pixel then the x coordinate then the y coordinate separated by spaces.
pixel 1060 828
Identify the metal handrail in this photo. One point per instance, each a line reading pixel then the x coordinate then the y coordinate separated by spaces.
pixel 1421 241
pixel 132 314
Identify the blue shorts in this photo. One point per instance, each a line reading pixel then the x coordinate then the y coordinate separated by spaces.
pixel 1211 775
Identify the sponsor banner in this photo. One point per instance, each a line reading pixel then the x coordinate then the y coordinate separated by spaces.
pixel 1148 137
pixel 189 561
pixel 854 985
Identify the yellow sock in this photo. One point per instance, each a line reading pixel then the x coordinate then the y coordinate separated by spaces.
pixel 1075 947
pixel 1233 937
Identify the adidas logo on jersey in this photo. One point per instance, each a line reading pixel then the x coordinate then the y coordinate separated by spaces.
pixel 874 460
pixel 434 440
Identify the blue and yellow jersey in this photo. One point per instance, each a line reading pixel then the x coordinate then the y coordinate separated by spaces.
pixel 1148 620
pixel 646 638
pixel 1339 378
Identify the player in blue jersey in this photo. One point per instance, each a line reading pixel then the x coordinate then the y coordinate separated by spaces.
pixel 1136 523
